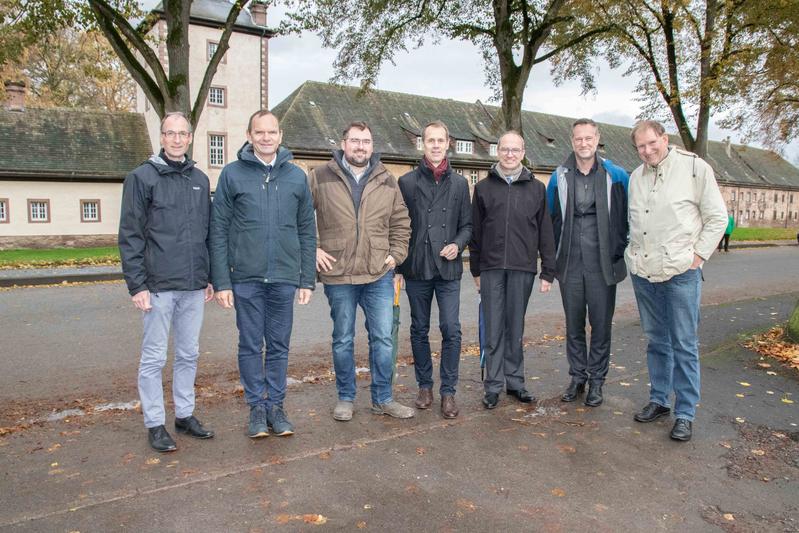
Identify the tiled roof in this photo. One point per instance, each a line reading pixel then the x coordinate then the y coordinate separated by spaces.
pixel 313 116
pixel 216 12
pixel 71 143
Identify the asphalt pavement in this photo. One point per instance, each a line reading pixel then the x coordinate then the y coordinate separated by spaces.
pixel 73 460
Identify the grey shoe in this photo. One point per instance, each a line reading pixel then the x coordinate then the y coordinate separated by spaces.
pixel 392 408
pixel 343 410
pixel 257 427
pixel 276 421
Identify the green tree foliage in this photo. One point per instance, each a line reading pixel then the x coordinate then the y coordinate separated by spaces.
pixel 686 55
pixel 513 35
pixel 768 109
pixel 26 21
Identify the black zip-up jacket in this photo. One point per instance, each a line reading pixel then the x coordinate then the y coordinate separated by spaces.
pixel 440 214
pixel 511 226
pixel 163 227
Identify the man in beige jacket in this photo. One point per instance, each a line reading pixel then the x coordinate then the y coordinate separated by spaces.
pixel 364 229
pixel 677 216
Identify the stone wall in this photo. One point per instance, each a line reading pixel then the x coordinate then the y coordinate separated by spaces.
pixel 54 241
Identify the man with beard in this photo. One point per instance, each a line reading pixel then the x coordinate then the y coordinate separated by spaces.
pixel 363 229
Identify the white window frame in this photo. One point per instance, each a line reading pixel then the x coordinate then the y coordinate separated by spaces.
pixel 221 92
pixel 464 147
pixel 493 150
pixel 419 143
pixel 87 204
pixel 474 177
pixel 39 211
pixel 4 214
pixel 216 149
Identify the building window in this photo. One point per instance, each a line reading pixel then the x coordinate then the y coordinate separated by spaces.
pixel 747 216
pixel 474 176
pixel 749 197
pixel 790 198
pixel 211 47
pixel 782 215
pixel 733 196
pixel 492 150
pixel 217 97
pixel 464 147
pixel 419 143
pixel 38 210
pixel 216 150
pixel 762 214
pixel 795 213
pixel 783 197
pixel 762 197
pixel 775 198
pixel 4 216
pixel 775 215
pixel 90 210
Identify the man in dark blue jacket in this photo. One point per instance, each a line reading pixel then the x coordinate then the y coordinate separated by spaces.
pixel 441 226
pixel 587 198
pixel 263 248
pixel 163 244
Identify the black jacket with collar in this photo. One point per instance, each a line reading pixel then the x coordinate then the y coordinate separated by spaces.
pixel 511 226
pixel 440 215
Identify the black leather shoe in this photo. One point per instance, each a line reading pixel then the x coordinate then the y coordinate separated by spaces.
pixel 681 430
pixel 594 396
pixel 522 395
pixel 490 400
pixel 574 390
pixel 651 412
pixel 160 440
pixel 191 426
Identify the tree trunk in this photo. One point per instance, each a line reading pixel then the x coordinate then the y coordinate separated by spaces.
pixel 176 13
pixel 793 325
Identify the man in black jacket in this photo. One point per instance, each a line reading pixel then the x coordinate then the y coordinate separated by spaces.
pixel 511 227
pixel 587 198
pixel 441 226
pixel 163 233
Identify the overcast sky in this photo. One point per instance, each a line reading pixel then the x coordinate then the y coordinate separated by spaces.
pixel 454 69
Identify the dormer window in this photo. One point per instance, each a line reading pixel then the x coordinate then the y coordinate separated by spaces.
pixel 492 150
pixel 419 143
pixel 464 147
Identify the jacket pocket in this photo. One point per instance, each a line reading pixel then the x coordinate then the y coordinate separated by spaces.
pixel 677 257
pixel 378 251
pixel 334 247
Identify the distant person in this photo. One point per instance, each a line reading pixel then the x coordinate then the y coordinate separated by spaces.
pixel 262 255
pixel 511 227
pixel 163 244
pixel 588 204
pixel 363 230
pixel 677 216
pixel 441 225
pixel 725 240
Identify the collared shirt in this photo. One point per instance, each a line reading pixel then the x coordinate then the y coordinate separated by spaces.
pixel 509 177
pixel 264 163
pixel 675 210
pixel 356 175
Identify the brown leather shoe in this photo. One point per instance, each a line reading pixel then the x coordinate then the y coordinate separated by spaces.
pixel 424 399
pixel 449 409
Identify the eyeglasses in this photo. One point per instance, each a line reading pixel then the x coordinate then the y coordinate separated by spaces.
pixel 172 134
pixel 360 142
pixel 514 151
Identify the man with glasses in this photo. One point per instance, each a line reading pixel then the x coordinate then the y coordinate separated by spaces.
pixel 363 229
pixel 262 254
pixel 587 199
pixel 163 231
pixel 511 227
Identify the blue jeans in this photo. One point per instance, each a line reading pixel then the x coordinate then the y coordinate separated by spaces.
pixel 376 300
pixel 448 296
pixel 669 313
pixel 264 312
pixel 182 311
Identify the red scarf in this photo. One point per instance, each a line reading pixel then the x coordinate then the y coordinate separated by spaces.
pixel 437 171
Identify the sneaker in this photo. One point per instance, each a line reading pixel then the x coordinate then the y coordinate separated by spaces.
pixel 392 408
pixel 276 421
pixel 343 410
pixel 257 427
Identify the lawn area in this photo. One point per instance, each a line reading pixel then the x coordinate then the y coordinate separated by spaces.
pixel 24 257
pixel 763 234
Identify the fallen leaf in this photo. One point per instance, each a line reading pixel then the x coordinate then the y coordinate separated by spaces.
pixel 771 373
pixel 420 451
pixel 759 453
pixel 361 525
pixel 728 516
pixel 617 413
pixel 744 384
pixel 283 518
pixel 740 420
pixel 560 493
pixel 566 448
pixel 786 400
pixel 466 504
pixel 324 456
pixel 725 445
pixel 769 392
pixel 54 447
pixel 624 384
pixel 739 395
pixel 314 519
pixel 53 464
pixel 764 365
pixel 153 461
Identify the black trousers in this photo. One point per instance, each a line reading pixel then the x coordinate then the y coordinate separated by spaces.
pixel 587 291
pixel 504 295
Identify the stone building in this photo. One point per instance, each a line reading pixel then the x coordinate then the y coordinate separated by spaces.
pixel 760 187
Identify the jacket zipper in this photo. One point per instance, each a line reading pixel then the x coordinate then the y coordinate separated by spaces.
pixel 268 226
pixel 507 222
pixel 189 225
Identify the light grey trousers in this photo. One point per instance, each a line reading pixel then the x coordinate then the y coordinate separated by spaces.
pixel 182 312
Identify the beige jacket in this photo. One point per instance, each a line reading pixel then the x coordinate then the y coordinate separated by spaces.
pixel 359 244
pixel 675 211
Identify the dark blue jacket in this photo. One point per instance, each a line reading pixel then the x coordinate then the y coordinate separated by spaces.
pixel 611 206
pixel 262 226
pixel 163 227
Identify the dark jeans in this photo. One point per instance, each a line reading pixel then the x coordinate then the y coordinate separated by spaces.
pixel 448 297
pixel 725 242
pixel 264 312
pixel 504 295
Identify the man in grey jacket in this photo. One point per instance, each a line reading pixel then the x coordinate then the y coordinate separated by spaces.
pixel 163 232
pixel 677 216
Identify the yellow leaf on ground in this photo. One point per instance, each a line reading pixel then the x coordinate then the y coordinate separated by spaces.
pixel 314 519
pixel 786 400
pixel 759 453
pixel 466 504
pixel 153 461
pixel 744 384
pixel 560 493
pixel 740 396
pixel 740 420
pixel 361 525
pixel 729 517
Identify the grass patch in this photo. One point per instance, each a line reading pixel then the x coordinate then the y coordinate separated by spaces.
pixel 33 257
pixel 763 234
